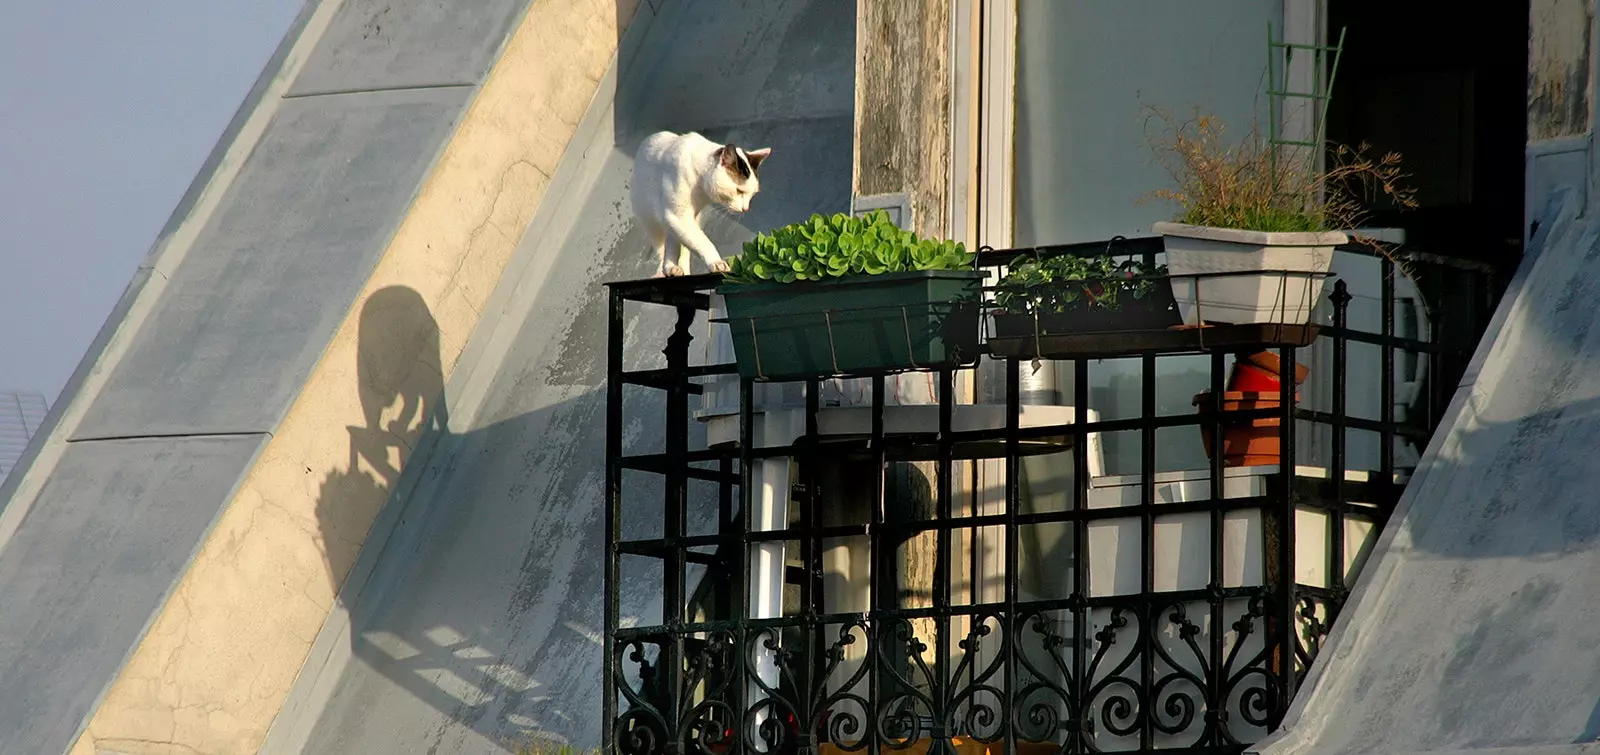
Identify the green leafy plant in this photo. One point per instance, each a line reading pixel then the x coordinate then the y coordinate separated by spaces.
pixel 1066 282
pixel 834 246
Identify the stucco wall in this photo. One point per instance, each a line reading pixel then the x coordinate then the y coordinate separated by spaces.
pixel 233 435
pixel 478 626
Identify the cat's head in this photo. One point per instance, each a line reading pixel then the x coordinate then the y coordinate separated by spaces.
pixel 736 179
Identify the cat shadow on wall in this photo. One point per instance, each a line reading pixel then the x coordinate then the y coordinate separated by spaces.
pixel 454 667
pixel 401 385
pixel 456 610
pixel 400 382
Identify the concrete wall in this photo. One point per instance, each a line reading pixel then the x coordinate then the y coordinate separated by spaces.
pixel 173 547
pixel 475 627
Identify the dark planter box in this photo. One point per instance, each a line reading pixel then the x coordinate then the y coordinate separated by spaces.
pixel 858 324
pixel 1155 313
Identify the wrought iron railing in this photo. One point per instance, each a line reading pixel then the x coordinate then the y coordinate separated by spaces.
pixel 925 587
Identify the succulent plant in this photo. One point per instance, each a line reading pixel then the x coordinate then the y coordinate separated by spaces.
pixel 833 246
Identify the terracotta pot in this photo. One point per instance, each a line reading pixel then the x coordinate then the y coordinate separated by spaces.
pixel 1269 361
pixel 1250 378
pixel 1252 445
pixel 1237 401
pixel 1250 442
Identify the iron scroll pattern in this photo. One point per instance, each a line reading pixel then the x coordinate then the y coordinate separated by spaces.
pixel 1149 675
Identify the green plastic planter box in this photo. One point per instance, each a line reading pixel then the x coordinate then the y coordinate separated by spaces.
pixel 877 323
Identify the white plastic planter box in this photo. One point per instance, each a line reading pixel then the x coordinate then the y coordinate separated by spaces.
pixel 1285 292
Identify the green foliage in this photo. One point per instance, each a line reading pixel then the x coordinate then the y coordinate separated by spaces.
pixel 833 246
pixel 1060 283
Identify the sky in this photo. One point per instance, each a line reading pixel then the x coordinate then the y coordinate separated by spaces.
pixel 107 111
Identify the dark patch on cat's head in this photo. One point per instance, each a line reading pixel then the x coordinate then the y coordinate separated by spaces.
pixel 733 159
pixel 740 164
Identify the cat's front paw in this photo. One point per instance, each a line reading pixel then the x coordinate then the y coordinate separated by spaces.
pixel 720 266
pixel 674 271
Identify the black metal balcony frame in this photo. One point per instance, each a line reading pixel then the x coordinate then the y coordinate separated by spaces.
pixel 687 685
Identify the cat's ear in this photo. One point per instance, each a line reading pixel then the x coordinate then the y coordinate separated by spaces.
pixel 756 156
pixel 728 156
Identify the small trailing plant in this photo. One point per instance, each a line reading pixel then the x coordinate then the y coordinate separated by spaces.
pixel 1253 185
pixel 834 246
pixel 1066 282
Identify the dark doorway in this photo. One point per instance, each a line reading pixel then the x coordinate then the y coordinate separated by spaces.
pixel 1447 89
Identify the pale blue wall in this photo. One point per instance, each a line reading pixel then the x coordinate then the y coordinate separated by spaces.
pixel 1084 70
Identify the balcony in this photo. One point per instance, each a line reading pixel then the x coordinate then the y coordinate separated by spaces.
pixel 1019 554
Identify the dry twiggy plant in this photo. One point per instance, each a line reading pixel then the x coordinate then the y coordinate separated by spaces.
pixel 1249 186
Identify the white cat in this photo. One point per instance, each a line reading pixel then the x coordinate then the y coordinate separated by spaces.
pixel 675 176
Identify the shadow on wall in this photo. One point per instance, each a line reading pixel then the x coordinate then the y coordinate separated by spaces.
pixel 461 670
pixel 503 653
pixel 402 389
pixel 479 629
pixel 766 62
pixel 1504 533
pixel 445 665
pixel 1518 482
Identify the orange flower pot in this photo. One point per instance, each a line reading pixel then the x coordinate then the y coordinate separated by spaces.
pixel 1269 361
pixel 1249 442
pixel 1252 379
